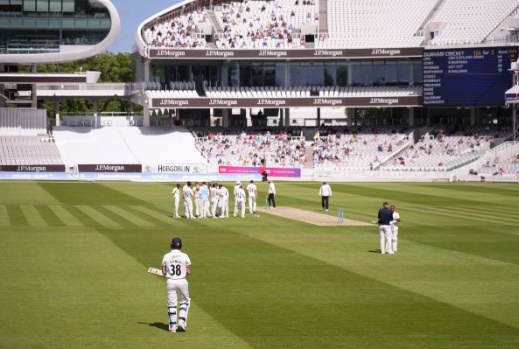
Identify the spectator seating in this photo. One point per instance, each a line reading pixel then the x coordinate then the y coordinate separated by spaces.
pixel 28 150
pixel 261 149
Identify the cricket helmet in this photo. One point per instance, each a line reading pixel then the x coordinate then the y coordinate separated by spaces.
pixel 176 243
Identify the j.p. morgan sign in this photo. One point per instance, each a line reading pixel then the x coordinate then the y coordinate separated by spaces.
pixel 285 102
pixel 164 53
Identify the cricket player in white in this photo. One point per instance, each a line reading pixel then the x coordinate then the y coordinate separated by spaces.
pixel 394 227
pixel 176 200
pixel 198 201
pixel 240 201
pixel 252 190
pixel 224 201
pixel 204 200
pixel 238 184
pixel 176 267
pixel 187 193
pixel 215 195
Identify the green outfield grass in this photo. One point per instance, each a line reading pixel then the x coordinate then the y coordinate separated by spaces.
pixel 74 258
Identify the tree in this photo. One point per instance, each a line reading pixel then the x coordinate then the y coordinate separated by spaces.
pixel 113 67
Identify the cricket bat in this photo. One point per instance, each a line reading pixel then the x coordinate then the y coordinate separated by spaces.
pixel 155 271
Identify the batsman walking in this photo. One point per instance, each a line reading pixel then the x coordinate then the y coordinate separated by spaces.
pixel 176 267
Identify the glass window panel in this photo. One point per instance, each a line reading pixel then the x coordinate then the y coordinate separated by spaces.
pixel 378 73
pixel 245 75
pixel 42 6
pixel 281 71
pixel 417 78
pixel 269 70
pixel 342 74
pixel 403 72
pixel 295 76
pixel 55 6
pixel 29 5
pixel 391 72
pixel 316 74
pixel 330 73
pixel 234 75
pixel 68 5
pixel 257 74
pixel 305 73
pixel 361 75
pixel 16 2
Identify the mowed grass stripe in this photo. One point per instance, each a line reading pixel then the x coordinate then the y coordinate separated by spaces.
pixel 474 216
pixel 120 219
pixel 16 215
pixel 4 216
pixel 421 269
pixel 135 220
pixel 489 212
pixel 65 215
pixel 49 216
pixel 34 218
pixel 97 216
pixel 155 214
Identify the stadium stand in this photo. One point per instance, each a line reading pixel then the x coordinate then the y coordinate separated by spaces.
pixel 125 145
pixel 28 150
pixel 260 149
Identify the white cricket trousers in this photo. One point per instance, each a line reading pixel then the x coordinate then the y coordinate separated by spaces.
pixel 252 204
pixel 176 203
pixel 385 237
pixel 240 208
pixel 394 236
pixel 178 291
pixel 188 208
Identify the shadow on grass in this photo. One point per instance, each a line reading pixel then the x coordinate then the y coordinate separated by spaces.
pixel 159 325
pixel 375 251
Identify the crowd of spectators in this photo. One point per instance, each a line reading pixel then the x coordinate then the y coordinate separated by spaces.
pixel 178 32
pixel 262 24
pixel 262 149
pixel 356 149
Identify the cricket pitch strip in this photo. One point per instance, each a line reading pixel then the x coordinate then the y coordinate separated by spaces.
pixel 315 218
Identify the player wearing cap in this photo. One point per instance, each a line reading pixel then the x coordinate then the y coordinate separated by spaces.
pixel 385 216
pixel 176 267
pixel 224 201
pixel 252 190
pixel 187 193
pixel 176 200
pixel 240 201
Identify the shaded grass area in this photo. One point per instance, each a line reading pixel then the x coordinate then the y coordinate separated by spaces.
pixel 76 277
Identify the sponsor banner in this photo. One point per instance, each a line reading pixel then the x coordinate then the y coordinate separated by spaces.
pixel 110 168
pixel 33 168
pixel 282 171
pixel 171 53
pixel 271 171
pixel 174 168
pixel 238 169
pixel 349 102
pixel 136 177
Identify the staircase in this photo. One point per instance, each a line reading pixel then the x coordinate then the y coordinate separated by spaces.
pixel 309 153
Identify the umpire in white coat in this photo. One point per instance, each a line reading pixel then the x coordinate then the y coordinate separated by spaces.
pixel 325 192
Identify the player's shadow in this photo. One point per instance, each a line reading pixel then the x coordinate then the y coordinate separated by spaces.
pixel 375 251
pixel 159 325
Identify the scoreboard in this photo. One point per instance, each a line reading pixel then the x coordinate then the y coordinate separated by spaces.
pixel 467 77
